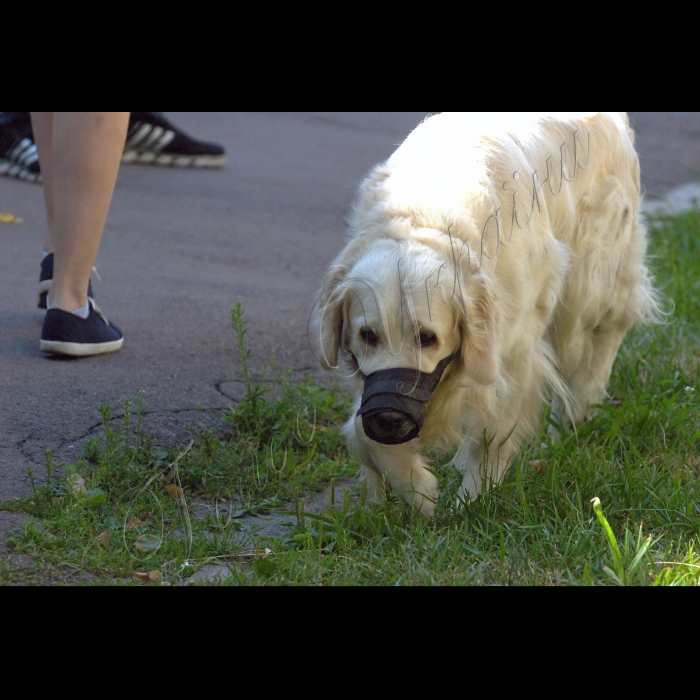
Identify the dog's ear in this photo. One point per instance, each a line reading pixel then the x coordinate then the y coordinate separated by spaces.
pixel 479 329
pixel 327 317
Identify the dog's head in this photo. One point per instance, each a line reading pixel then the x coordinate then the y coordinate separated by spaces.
pixel 400 316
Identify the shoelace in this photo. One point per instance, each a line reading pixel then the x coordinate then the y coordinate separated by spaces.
pixel 98 311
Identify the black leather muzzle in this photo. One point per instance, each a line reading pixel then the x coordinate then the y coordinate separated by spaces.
pixel 393 402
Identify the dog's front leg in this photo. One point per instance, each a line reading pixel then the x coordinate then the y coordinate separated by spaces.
pixel 483 462
pixel 468 461
pixel 402 467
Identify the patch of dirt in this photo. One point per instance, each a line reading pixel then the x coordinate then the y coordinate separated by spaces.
pixel 268 527
pixel 271 526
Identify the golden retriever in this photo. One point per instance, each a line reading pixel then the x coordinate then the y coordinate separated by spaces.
pixel 495 261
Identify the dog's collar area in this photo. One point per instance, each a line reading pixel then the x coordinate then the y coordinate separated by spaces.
pixel 393 402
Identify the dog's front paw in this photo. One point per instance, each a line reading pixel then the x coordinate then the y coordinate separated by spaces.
pixel 469 490
pixel 423 496
pixel 426 509
pixel 374 482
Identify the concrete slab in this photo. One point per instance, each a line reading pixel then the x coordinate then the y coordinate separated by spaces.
pixel 679 199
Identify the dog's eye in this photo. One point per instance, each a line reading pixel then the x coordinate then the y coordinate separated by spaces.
pixel 369 336
pixel 427 339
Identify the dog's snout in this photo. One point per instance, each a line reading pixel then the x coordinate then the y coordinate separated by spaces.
pixel 391 416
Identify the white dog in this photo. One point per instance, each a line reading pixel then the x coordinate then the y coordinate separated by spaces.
pixel 495 260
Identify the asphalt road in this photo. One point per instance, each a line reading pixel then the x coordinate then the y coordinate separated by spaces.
pixel 182 247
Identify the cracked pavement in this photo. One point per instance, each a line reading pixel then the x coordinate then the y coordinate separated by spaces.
pixel 181 247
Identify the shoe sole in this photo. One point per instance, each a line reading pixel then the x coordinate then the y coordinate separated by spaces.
pixel 10 169
pixel 171 161
pixel 80 349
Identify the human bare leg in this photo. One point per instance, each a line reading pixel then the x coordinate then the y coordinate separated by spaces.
pixel 80 154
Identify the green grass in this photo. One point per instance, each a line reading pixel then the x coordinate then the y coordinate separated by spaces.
pixel 615 503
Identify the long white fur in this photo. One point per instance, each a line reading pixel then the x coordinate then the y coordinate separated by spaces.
pixel 513 236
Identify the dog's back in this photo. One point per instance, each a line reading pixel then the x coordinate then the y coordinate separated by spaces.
pixel 547 205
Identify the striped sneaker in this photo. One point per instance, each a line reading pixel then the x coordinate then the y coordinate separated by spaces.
pixel 18 154
pixel 153 140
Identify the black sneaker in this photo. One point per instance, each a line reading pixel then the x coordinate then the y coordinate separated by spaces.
pixel 18 154
pixel 45 279
pixel 153 140
pixel 67 334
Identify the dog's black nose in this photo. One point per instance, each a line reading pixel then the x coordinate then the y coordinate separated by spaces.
pixel 389 427
pixel 390 421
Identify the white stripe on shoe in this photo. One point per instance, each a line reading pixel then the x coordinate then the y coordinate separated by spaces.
pixel 24 153
pixel 167 137
pixel 148 142
pixel 141 133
